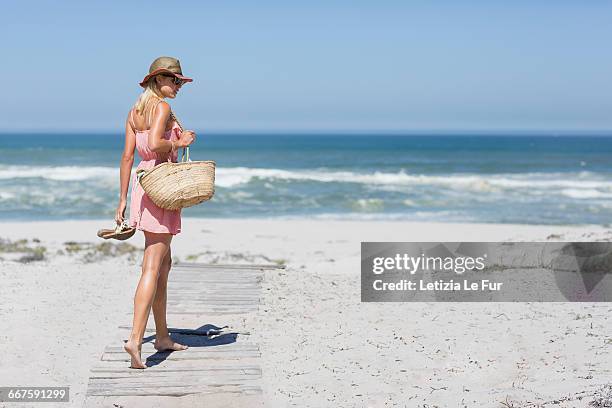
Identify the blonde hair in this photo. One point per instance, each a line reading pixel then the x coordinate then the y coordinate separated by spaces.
pixel 150 92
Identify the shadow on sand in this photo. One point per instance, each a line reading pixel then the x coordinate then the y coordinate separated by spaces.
pixel 207 335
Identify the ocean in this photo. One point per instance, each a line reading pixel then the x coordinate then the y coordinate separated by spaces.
pixel 457 178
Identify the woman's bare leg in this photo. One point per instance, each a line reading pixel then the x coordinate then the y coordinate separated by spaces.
pixel 162 337
pixel 156 247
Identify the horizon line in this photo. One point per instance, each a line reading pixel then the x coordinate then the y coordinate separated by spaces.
pixel 399 132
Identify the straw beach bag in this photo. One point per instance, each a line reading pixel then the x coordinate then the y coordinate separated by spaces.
pixel 178 185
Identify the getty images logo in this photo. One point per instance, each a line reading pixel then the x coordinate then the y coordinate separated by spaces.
pixel 412 264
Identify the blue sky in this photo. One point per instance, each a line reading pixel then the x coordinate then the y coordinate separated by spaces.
pixel 322 66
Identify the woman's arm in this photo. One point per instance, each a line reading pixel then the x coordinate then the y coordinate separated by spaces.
pixel 156 141
pixel 125 169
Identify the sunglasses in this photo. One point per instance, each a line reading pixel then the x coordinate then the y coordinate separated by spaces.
pixel 175 80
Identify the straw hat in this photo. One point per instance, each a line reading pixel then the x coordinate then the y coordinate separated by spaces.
pixel 168 65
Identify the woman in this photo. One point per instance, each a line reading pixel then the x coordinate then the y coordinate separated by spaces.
pixel 151 128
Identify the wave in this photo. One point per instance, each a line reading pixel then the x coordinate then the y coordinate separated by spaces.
pixel 235 176
pixel 575 185
pixel 393 216
pixel 585 193
pixel 5 196
pixel 60 173
pixel 368 204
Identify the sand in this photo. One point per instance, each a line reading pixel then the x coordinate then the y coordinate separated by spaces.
pixel 320 345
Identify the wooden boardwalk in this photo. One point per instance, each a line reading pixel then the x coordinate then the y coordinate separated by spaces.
pixel 206 304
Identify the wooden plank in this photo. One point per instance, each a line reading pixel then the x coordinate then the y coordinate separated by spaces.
pixel 221 276
pixel 214 344
pixel 216 299
pixel 179 276
pixel 209 344
pixel 212 286
pixel 211 307
pixel 235 309
pixel 246 273
pixel 216 280
pixel 197 332
pixel 229 266
pixel 169 381
pixel 208 302
pixel 213 298
pixel 216 312
pixel 180 286
pixel 151 373
pixel 212 276
pixel 167 376
pixel 200 299
pixel 176 380
pixel 174 391
pixel 198 355
pixel 219 311
pixel 211 312
pixel 154 372
pixel 173 368
pixel 203 295
pixel 218 285
pixel 198 284
pixel 177 270
pixel 217 271
pixel 108 367
pixel 228 349
pixel 212 282
pixel 161 382
pixel 203 298
pixel 178 290
pixel 215 286
pixel 197 300
pixel 185 313
pixel 226 290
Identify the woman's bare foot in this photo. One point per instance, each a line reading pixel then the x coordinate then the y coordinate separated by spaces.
pixel 133 350
pixel 166 343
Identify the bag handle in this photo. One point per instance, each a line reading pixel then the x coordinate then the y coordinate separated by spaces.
pixel 186 148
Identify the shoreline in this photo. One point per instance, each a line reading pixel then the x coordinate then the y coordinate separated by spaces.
pixel 316 218
pixel 276 240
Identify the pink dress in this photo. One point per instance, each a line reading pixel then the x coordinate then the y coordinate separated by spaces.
pixel 145 215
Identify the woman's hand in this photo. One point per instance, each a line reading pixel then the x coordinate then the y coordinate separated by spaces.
pixel 120 213
pixel 186 138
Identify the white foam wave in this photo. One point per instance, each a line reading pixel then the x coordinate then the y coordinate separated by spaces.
pixel 4 196
pixel 233 176
pixel 368 204
pixel 573 185
pixel 61 173
pixel 585 193
pixel 391 216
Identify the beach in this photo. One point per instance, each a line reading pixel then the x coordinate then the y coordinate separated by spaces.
pixel 320 345
pixel 411 205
